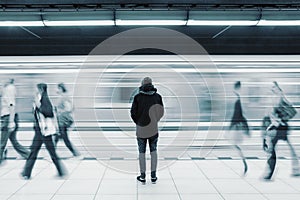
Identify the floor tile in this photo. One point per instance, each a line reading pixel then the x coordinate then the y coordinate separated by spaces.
pixel 233 186
pixel 283 196
pixel 194 186
pixel 4 197
pixel 31 197
pixel 272 187
pixel 73 197
pixel 109 186
pixel 10 186
pixel 40 187
pixel 116 197
pixel 79 187
pixel 161 187
pixel 243 196
pixel 185 180
pixel 201 196
pixel 158 197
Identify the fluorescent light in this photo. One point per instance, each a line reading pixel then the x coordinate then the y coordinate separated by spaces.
pixel 21 23
pixel 80 23
pixel 38 71
pixel 192 22
pixel 59 23
pixel 120 22
pixel 193 70
pixel 279 23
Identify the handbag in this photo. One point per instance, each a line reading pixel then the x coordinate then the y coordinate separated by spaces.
pixel 285 110
pixel 48 125
pixel 65 119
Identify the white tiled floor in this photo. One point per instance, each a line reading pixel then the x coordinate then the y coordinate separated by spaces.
pixel 183 180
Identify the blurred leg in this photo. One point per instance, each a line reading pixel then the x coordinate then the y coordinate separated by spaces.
pixel 295 160
pixel 153 152
pixel 51 149
pixel 272 159
pixel 35 148
pixel 56 139
pixel 243 158
pixel 4 135
pixel 65 137
pixel 142 157
pixel 13 138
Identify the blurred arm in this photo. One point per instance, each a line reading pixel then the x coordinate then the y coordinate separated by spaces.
pixel 10 97
pixel 133 110
pixel 162 111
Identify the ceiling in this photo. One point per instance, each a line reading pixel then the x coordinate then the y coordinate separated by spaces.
pixel 144 3
pixel 80 40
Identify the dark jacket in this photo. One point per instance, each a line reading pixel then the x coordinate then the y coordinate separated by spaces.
pixel 46 107
pixel 146 111
pixel 238 116
pixel 238 112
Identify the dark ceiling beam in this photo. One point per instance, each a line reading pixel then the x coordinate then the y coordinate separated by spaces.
pixel 225 46
pixel 200 2
pixel 80 41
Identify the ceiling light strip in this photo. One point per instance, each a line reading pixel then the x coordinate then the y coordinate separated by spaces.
pixel 120 22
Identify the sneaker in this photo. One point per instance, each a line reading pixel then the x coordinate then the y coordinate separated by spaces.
pixel 141 179
pixel 296 174
pixel 245 167
pixel 5 154
pixel 2 162
pixel 153 180
pixel 295 171
pixel 76 154
pixel 267 178
pixel 62 176
pixel 25 177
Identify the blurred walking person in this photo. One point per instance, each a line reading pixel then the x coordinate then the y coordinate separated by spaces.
pixel 45 127
pixel 276 128
pixel 65 119
pixel 9 121
pixel 238 126
pixel 146 111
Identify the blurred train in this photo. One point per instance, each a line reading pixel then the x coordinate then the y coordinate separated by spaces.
pixel 112 84
pixel 196 91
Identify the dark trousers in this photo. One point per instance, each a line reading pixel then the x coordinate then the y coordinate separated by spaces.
pixel 38 140
pixel 272 157
pixel 142 143
pixel 281 134
pixel 12 136
pixel 63 130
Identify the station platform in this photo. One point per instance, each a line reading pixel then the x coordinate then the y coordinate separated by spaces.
pixel 89 179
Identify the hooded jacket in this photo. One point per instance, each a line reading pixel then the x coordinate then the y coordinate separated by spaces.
pixel 146 111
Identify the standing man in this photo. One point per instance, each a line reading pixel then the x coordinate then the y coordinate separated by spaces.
pixel 146 111
pixel 9 120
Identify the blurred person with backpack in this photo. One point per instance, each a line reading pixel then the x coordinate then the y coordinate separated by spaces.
pixel 275 127
pixel 65 119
